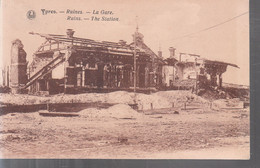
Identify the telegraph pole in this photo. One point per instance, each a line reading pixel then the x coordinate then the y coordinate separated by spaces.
pixel 135 74
pixel 135 62
pixel 196 84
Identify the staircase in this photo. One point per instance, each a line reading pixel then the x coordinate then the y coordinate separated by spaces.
pixel 45 70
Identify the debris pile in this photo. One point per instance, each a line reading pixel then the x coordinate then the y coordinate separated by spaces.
pixel 4 89
pixel 214 93
pixel 158 100
pixel 119 111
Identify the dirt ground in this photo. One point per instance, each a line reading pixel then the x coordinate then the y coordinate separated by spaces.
pixel 154 134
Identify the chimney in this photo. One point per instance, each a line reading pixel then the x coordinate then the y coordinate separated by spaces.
pixel 160 54
pixel 70 33
pixel 122 42
pixel 172 52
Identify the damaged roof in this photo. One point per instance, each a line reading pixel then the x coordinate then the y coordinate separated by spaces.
pixel 220 63
pixel 207 61
pixel 83 41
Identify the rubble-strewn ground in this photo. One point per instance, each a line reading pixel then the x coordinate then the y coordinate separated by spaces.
pixel 121 132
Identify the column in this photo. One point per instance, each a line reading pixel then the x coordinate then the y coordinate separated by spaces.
pixel 66 64
pixel 220 80
pixel 83 76
pixel 79 78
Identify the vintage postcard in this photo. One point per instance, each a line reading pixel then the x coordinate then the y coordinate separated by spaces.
pixel 113 79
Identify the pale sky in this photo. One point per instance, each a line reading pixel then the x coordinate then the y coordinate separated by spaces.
pixel 161 23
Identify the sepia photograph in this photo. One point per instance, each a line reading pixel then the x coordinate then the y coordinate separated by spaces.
pixel 113 79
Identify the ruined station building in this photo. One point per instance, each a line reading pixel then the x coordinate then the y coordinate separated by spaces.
pixel 65 63
pixel 68 64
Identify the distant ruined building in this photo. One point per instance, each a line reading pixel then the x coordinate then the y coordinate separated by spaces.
pixel 69 64
pixel 190 70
